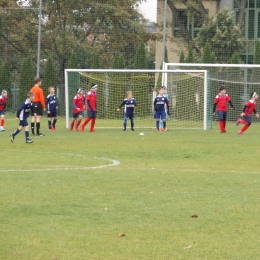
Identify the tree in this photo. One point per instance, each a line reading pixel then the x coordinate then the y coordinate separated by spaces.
pixel 182 57
pixel 190 57
pixel 49 76
pixel 208 56
pixel 5 82
pixel 222 35
pixel 26 79
pixel 141 82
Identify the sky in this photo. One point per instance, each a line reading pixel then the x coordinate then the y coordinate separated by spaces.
pixel 149 9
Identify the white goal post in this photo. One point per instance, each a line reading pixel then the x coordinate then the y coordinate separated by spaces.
pixel 115 82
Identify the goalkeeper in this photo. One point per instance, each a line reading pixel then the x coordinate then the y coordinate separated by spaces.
pixel 130 105
pixel 159 106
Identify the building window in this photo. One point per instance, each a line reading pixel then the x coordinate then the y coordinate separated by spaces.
pixel 192 24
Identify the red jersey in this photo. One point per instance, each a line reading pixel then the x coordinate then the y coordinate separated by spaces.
pixel 3 101
pixel 91 101
pixel 78 102
pixel 222 100
pixel 249 107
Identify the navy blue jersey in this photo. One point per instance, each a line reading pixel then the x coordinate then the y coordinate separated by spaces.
pixel 51 103
pixel 24 110
pixel 129 104
pixel 159 103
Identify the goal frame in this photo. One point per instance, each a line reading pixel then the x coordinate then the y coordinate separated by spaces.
pixel 163 71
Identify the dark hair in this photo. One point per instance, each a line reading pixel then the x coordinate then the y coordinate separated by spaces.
pixel 221 88
pixel 36 80
pixel 252 94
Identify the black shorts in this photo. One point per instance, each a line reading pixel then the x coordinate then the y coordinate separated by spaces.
pixel 92 114
pixel 37 108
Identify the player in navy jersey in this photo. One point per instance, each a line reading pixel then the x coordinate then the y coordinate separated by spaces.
pixel 165 95
pixel 51 106
pixel 130 105
pixel 159 106
pixel 249 109
pixel 22 114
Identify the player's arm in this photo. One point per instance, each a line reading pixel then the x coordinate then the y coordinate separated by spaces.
pixel 42 99
pixel 245 107
pixel 256 113
pixel 168 106
pixel 88 102
pixel 215 105
pixel 74 104
pixel 20 110
pixel 48 104
pixel 230 103
pixel 123 103
pixel 154 104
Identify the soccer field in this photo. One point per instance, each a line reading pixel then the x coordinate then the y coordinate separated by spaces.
pixel 181 194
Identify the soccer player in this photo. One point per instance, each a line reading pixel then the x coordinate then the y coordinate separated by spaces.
pixel 91 108
pixel 22 115
pixel 3 100
pixel 249 108
pixel 78 108
pixel 130 105
pixel 38 106
pixel 165 95
pixel 159 106
pixel 52 106
pixel 221 101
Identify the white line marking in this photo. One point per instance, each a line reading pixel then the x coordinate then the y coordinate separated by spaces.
pixel 113 163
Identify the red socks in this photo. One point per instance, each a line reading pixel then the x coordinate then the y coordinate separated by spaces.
pixel 222 125
pixel 86 121
pixel 92 124
pixel 78 123
pixel 2 122
pixel 246 125
pixel 72 125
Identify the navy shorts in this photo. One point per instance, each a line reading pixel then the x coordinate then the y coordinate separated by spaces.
pixel 23 123
pixel 222 115
pixel 248 119
pixel 52 114
pixel 130 116
pixel 160 115
pixel 92 114
pixel 75 115
pixel 2 112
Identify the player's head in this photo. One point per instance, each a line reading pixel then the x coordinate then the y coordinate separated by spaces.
pixel 254 96
pixel 51 90
pixel 30 95
pixel 94 87
pixel 222 90
pixel 38 81
pixel 161 91
pixel 80 91
pixel 129 94
pixel 4 93
pixel 165 89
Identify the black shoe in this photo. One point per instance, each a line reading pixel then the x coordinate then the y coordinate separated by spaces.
pixel 132 129
pixel 40 134
pixel 12 138
pixel 33 134
pixel 29 141
pixel 124 129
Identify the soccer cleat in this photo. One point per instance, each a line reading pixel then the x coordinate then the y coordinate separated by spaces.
pixel 240 132
pixel 224 131
pixel 53 128
pixel 82 129
pixel 92 131
pixel 29 141
pixel 12 138
pixel 71 129
pixel 238 121
pixel 40 134
pixel 132 129
pixel 50 129
pixel 77 129
pixel 165 129
pixel 32 134
pixel 2 129
pixel 124 129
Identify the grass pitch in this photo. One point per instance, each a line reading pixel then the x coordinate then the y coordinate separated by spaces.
pixel 181 194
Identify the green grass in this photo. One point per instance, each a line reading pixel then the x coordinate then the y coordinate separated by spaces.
pixel 54 207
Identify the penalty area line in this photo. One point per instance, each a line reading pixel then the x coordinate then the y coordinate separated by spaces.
pixel 113 163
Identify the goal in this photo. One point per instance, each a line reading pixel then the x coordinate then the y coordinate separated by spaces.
pixel 239 79
pixel 188 95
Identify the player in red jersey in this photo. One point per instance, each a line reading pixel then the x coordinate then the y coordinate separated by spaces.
pixel 221 101
pixel 91 107
pixel 78 109
pixel 249 108
pixel 3 100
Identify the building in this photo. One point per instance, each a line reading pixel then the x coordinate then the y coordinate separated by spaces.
pixel 250 31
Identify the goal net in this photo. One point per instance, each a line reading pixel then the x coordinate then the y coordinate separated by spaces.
pixel 187 90
pixel 239 79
